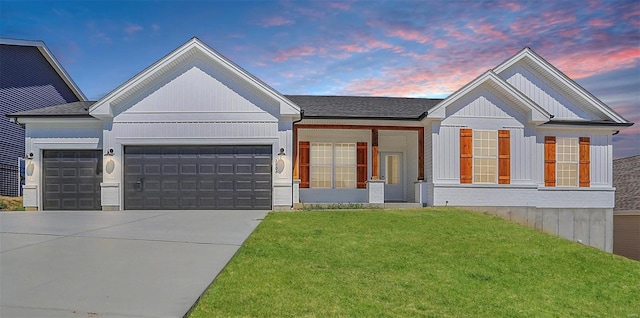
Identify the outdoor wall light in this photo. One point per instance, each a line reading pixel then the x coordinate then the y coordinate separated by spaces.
pixel 30 168
pixel 29 155
pixel 110 166
pixel 280 161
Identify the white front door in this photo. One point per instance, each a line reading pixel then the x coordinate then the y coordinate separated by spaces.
pixel 391 171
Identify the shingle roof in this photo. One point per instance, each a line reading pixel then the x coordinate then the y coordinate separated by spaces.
pixel 626 180
pixel 363 107
pixel 63 110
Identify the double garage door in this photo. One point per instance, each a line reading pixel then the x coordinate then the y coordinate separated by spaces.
pixel 197 177
pixel 163 177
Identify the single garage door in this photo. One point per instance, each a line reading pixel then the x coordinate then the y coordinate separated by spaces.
pixel 72 179
pixel 197 177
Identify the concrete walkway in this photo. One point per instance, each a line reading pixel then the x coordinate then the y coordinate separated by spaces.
pixel 114 264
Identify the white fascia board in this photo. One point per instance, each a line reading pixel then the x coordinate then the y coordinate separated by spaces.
pixel 57 120
pixel 102 108
pixel 570 86
pixel 536 113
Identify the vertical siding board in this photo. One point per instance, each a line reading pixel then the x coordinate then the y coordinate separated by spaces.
pixel 585 162
pixel 550 161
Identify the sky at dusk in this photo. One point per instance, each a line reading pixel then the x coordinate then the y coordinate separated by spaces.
pixel 370 48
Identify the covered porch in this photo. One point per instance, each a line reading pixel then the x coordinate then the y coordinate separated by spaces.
pixel 364 163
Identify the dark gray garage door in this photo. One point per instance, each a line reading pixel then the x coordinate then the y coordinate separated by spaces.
pixel 197 177
pixel 72 179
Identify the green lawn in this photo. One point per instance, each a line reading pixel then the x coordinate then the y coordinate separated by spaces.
pixel 428 262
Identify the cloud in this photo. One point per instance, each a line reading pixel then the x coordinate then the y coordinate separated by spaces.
pixel 585 63
pixel 340 5
pixel 132 28
pixel 294 52
pixel 155 27
pixel 275 21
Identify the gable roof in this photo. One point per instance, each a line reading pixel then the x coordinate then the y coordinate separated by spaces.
pixel 626 180
pixel 534 111
pixel 561 81
pixel 102 108
pixel 51 59
pixel 359 107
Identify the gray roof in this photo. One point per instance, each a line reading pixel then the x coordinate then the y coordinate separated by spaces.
pixel 64 110
pixel 314 106
pixel 363 107
pixel 626 180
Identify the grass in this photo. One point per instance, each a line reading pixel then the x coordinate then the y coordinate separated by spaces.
pixel 11 204
pixel 428 262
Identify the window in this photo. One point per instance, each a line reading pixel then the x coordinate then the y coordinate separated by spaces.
pixel 321 165
pixel 485 156
pixel 333 165
pixel 567 162
pixel 345 165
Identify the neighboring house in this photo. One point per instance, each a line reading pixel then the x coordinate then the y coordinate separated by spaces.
pixel 195 131
pixel 626 213
pixel 30 78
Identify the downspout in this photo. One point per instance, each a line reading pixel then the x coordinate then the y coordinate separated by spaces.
pixel 294 151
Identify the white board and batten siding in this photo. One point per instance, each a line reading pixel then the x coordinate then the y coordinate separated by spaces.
pixel 482 110
pixel 198 104
pixel 534 86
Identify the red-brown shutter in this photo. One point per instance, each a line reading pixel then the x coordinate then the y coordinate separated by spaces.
pixel 466 155
pixel 362 165
pixel 504 157
pixel 549 161
pixel 585 162
pixel 304 148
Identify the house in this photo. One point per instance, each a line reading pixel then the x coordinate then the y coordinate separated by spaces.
pixel 196 131
pixel 30 78
pixel 626 213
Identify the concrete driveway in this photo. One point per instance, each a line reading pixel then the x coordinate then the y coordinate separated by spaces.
pixel 114 264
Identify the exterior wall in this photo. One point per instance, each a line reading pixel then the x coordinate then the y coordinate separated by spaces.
pixel 626 234
pixel 588 226
pixel 484 110
pixel 310 195
pixel 197 104
pixel 28 82
pixel 82 134
pixel 529 82
pixel 405 142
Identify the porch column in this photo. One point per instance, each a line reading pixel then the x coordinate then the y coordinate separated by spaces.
pixel 295 154
pixel 421 154
pixel 375 169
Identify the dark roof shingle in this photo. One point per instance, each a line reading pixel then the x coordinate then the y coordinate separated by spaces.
pixel 363 106
pixel 626 180
pixel 63 110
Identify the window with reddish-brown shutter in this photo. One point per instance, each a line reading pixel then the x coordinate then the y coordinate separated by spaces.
pixel 585 162
pixel 303 163
pixel 466 155
pixel 362 165
pixel 549 161
pixel 504 157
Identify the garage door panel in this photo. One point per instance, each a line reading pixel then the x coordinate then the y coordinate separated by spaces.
pixel 198 177
pixel 72 179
